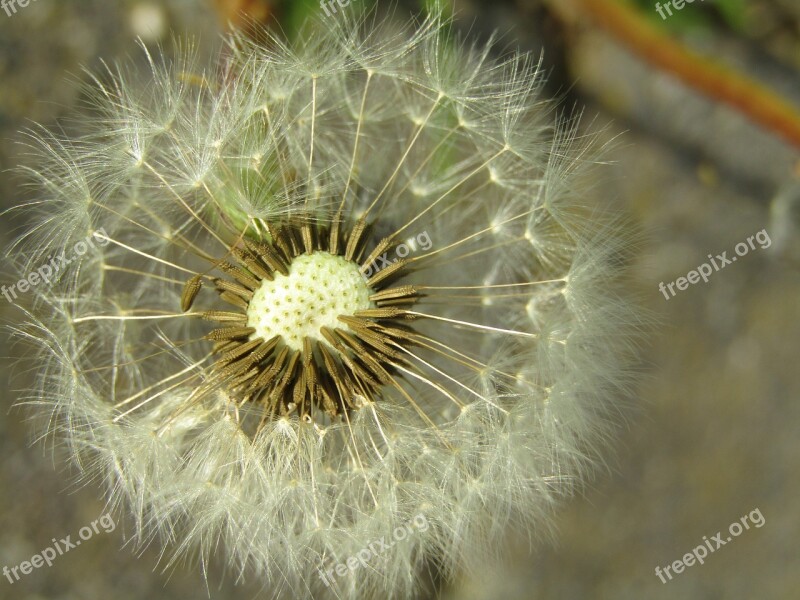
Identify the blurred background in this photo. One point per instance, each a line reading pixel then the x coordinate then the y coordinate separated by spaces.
pixel 704 106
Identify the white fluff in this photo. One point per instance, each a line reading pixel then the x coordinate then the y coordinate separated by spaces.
pixel 530 351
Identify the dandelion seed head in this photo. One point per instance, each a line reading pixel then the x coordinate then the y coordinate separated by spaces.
pixel 263 361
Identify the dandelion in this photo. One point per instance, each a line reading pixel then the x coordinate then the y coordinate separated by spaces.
pixel 230 365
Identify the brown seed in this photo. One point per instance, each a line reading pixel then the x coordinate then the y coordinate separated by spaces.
pixel 190 291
